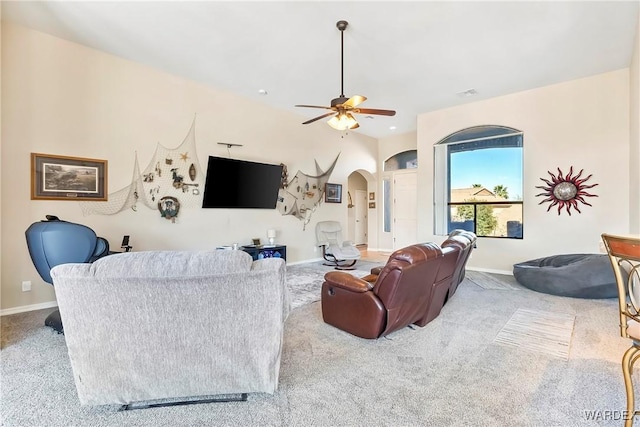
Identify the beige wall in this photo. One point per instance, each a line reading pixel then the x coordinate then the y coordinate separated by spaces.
pixel 581 123
pixel 62 98
pixel 388 147
pixel 0 148
pixel 634 132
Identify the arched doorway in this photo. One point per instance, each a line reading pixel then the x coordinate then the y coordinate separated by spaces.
pixel 358 218
pixel 399 199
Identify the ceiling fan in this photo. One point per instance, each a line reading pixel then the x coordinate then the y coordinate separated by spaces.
pixel 343 108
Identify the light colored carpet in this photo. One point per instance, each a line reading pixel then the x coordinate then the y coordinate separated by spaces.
pixel 538 331
pixel 448 373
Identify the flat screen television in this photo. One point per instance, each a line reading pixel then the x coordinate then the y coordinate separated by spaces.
pixel 235 183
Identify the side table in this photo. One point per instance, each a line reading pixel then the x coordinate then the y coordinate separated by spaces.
pixel 266 251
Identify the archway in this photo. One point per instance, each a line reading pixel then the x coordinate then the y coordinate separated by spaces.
pixel 361 220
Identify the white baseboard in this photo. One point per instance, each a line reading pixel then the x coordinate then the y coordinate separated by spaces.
pixel 491 270
pixel 25 308
pixel 380 250
pixel 306 261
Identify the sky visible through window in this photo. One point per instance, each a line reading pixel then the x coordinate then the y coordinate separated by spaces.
pixel 489 167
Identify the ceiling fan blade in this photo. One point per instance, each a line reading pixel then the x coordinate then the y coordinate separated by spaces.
pixel 314 106
pixel 317 118
pixel 375 111
pixel 355 101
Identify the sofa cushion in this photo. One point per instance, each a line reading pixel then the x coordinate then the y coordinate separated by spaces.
pixel 172 264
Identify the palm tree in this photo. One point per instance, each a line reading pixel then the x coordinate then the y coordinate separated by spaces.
pixel 501 191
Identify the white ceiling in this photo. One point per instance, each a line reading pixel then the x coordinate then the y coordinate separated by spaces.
pixel 412 57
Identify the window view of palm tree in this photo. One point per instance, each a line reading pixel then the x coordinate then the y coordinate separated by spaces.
pixel 483 169
pixel 499 171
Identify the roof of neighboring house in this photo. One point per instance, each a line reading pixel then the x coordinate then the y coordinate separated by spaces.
pixel 479 193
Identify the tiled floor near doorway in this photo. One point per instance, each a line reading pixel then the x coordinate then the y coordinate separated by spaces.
pixel 374 256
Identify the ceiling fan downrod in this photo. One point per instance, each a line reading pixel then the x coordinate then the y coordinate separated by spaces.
pixel 343 108
pixel 342 25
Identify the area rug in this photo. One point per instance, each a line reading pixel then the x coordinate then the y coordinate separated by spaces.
pixel 492 281
pixel 538 331
pixel 305 281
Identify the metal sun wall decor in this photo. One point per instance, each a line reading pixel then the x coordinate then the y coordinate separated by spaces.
pixel 565 191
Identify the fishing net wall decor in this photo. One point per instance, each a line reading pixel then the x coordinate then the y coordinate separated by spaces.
pixel 301 196
pixel 174 179
pixel 172 174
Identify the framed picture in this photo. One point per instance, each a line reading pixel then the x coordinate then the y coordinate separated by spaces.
pixel 372 205
pixel 333 193
pixel 67 178
pixel 372 195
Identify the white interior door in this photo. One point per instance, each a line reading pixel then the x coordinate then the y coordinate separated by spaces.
pixel 361 209
pixel 405 209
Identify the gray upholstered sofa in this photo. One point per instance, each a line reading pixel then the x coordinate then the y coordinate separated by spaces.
pixel 143 326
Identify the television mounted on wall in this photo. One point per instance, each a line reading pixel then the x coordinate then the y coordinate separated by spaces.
pixel 233 183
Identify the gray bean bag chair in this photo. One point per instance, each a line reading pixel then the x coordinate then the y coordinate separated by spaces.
pixel 569 275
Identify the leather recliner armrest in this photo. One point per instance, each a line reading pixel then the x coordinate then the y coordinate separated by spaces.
pixel 346 281
pixel 373 277
pixel 376 270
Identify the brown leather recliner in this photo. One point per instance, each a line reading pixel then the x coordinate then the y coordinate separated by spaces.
pixel 399 297
pixel 468 240
pixel 456 251
pixel 451 254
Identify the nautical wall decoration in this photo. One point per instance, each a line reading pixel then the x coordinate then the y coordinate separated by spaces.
pixel 174 175
pixel 285 176
pixel 172 172
pixel 169 207
pixel 565 191
pixel 301 196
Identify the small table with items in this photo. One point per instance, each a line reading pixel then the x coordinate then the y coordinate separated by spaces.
pixel 266 251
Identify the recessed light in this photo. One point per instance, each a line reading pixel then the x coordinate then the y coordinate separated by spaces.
pixel 466 93
pixel 262 91
pixel 392 128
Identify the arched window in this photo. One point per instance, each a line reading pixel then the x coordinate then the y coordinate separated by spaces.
pixel 404 160
pixel 478 182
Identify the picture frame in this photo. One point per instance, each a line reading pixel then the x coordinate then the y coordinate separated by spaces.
pixel 372 195
pixel 333 193
pixel 55 177
pixel 372 205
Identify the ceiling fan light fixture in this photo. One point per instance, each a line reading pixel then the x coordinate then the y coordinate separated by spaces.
pixel 343 121
pixel 342 105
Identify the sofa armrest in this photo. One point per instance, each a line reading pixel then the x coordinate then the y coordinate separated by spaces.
pixel 348 304
pixel 346 281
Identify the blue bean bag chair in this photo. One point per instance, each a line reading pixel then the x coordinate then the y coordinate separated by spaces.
pixel 569 275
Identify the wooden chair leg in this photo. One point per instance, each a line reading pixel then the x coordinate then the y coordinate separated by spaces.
pixel 629 358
